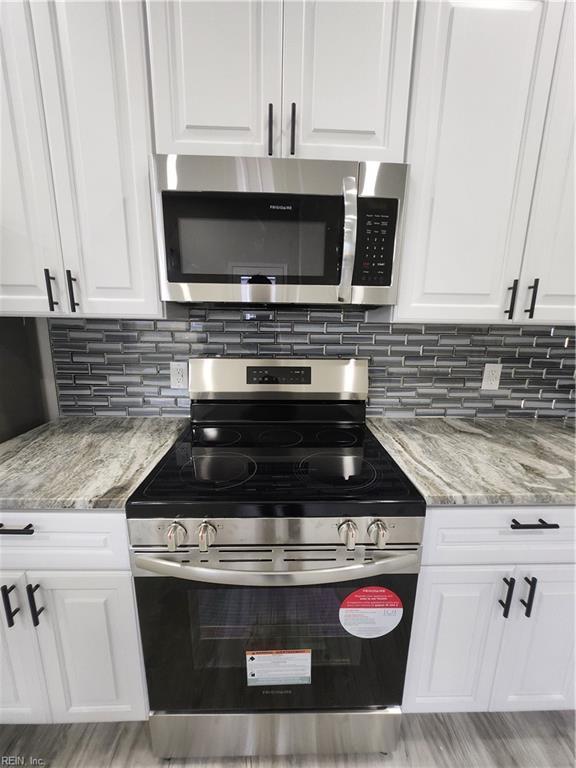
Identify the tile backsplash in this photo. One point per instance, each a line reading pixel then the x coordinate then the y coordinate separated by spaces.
pixel 121 367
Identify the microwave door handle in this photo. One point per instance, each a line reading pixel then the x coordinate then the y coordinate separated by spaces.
pixel 392 564
pixel 350 191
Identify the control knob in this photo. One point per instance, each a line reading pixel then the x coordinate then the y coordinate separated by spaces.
pixel 175 536
pixel 379 533
pixel 206 536
pixel 348 532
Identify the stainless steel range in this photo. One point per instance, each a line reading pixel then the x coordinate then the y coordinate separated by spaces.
pixel 276 550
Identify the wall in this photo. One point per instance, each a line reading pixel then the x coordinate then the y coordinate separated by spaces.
pixel 121 367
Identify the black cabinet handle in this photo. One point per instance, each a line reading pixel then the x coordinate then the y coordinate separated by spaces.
pixel 48 277
pixel 534 289
pixel 514 289
pixel 293 129
pixel 71 280
pixel 7 607
pixel 530 602
pixel 28 530
pixel 34 610
pixel 511 583
pixel 541 525
pixel 270 129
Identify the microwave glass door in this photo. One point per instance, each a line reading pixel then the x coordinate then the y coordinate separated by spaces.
pixel 251 238
pixel 227 648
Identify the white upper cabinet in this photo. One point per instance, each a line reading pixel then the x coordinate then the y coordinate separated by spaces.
pixel 303 78
pixel 480 91
pixel 346 75
pixel 29 238
pixel 92 63
pixel 550 255
pixel 216 76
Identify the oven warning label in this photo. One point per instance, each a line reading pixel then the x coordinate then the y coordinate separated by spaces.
pixel 279 667
pixel 371 612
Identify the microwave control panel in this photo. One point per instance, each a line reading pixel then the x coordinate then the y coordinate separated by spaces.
pixel 375 236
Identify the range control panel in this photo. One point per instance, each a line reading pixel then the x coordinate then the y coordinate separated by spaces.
pixel 375 241
pixel 278 375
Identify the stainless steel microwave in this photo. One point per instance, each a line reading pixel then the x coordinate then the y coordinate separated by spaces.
pixel 272 231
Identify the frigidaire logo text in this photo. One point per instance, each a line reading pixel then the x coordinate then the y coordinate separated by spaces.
pixel 280 207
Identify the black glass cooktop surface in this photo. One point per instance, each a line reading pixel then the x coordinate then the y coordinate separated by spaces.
pixel 272 469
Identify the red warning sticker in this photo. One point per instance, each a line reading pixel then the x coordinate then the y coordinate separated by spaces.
pixel 371 612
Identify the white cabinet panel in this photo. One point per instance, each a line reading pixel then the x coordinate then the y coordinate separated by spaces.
pixel 29 239
pixel 480 91
pixel 82 539
pixel 23 697
pixel 455 638
pixel 347 69
pixel 89 643
pixel 483 535
pixel 93 69
pixel 536 664
pixel 550 253
pixel 216 66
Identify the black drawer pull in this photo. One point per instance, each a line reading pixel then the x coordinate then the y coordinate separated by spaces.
pixel 530 602
pixel 510 310
pixel 28 530
pixel 293 129
pixel 270 129
pixel 70 281
pixel 48 278
pixel 7 606
pixel 541 525
pixel 511 583
pixel 34 610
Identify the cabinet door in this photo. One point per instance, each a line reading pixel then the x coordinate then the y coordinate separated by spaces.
pixel 536 664
pixel 550 246
pixel 481 83
pixel 458 624
pixel 93 69
pixel 347 71
pixel 216 67
pixel 89 643
pixel 23 697
pixel 29 241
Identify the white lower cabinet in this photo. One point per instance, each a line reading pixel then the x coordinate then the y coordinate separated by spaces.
pixel 23 694
pixel 466 656
pixel 80 659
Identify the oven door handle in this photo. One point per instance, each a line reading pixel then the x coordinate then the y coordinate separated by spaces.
pixel 395 563
pixel 350 191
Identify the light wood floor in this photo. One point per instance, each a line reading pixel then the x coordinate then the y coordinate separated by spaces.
pixel 521 740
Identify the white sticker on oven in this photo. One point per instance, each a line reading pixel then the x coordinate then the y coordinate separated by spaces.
pixel 371 612
pixel 279 667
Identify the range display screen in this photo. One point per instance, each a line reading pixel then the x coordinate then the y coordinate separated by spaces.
pixel 277 375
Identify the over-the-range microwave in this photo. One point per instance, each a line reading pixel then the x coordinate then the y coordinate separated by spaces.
pixel 270 231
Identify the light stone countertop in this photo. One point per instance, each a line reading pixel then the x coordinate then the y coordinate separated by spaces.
pixel 483 461
pixel 81 462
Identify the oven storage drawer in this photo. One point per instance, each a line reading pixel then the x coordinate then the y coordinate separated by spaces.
pixel 486 535
pixel 76 539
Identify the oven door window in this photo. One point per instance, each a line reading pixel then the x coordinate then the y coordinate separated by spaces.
pixel 248 238
pixel 196 638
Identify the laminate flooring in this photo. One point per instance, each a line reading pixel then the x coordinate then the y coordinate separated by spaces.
pixel 479 740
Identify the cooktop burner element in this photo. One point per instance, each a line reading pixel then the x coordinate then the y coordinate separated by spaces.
pixel 337 470
pixel 218 471
pixel 280 437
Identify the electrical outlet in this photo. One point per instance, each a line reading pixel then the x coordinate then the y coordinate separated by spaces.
pixel 179 375
pixel 491 378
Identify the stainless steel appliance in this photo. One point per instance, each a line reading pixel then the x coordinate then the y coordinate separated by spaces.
pixel 248 230
pixel 275 550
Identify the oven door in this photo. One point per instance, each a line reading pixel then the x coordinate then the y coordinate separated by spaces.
pixel 253 247
pixel 235 640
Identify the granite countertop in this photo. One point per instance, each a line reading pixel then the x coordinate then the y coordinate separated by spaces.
pixel 82 462
pixel 483 461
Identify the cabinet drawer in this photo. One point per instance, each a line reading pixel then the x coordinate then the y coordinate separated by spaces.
pixel 62 540
pixel 485 535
